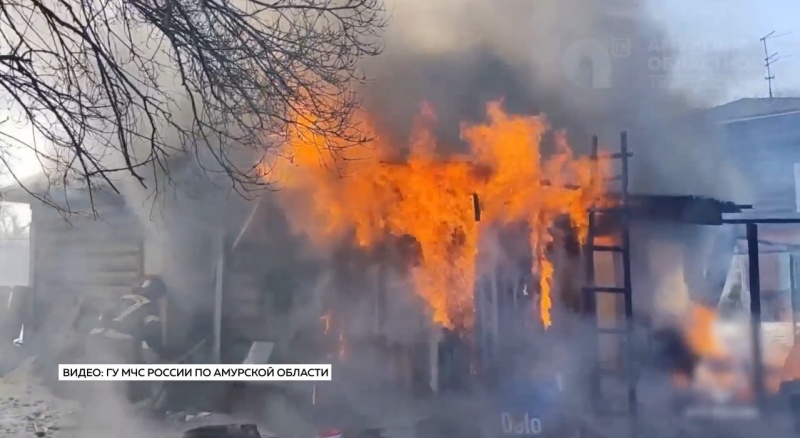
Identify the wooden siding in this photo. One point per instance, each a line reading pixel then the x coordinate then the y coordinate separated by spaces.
pixel 83 258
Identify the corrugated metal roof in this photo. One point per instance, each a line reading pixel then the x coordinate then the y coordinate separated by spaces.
pixel 748 108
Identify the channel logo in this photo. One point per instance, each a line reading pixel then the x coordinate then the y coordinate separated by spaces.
pixel 589 63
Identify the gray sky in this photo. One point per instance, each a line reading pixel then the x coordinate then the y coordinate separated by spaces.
pixel 738 25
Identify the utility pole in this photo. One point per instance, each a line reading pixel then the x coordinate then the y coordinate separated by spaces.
pixel 769 59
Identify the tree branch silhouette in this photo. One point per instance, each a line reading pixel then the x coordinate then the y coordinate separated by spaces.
pixel 113 86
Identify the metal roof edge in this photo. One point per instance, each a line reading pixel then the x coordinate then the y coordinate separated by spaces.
pixel 758 117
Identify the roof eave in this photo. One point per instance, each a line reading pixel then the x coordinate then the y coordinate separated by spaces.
pixel 758 116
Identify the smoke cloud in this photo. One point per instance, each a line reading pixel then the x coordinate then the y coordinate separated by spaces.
pixel 589 66
pixel 594 68
pixel 583 63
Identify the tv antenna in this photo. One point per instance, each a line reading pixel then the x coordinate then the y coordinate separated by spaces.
pixel 770 59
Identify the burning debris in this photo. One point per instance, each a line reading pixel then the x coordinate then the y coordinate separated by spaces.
pixel 711 358
pixel 365 194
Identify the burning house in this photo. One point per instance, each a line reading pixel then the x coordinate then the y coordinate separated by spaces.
pixel 514 239
pixel 469 218
pixel 409 237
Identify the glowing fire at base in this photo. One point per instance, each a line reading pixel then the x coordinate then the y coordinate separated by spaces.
pixel 334 192
pixel 719 368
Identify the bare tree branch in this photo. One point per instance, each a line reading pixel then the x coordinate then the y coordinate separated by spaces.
pixel 113 86
pixel 11 225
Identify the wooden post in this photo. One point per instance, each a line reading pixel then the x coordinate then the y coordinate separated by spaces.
pixel 218 292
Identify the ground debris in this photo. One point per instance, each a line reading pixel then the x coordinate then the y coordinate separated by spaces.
pixel 186 417
pixel 27 409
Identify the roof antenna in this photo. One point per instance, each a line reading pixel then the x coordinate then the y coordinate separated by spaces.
pixel 770 59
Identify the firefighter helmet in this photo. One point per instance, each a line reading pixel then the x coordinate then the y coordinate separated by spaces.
pixel 153 287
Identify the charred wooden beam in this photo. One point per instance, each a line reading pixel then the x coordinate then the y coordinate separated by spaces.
pixel 755 309
pixel 668 208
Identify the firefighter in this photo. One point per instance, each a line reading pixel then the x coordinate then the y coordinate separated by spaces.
pixel 131 322
pixel 136 315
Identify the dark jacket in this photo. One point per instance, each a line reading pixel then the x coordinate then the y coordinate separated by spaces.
pixel 138 316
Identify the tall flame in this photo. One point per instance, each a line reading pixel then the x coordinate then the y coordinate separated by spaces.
pixel 365 191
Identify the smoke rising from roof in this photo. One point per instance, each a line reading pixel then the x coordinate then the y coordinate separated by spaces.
pixel 591 67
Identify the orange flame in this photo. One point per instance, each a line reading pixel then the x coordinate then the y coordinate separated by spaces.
pixel 363 191
pixel 702 337
pixel 700 333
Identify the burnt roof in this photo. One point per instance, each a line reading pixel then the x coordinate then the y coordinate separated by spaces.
pixel 690 210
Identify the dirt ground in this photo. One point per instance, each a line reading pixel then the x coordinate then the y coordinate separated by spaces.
pixel 25 401
pixel 24 407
